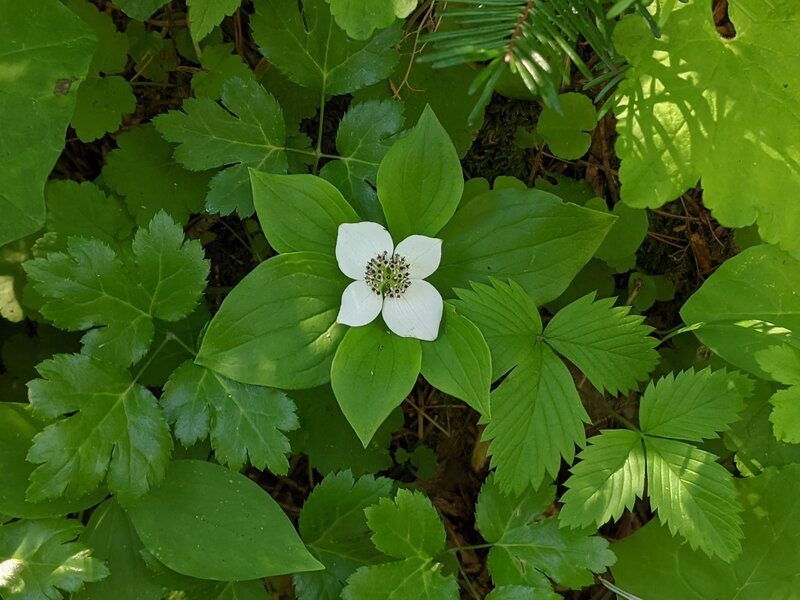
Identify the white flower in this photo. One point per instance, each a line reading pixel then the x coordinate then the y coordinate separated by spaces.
pixel 389 280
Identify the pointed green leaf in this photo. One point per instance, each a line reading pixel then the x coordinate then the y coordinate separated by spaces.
pixel 143 171
pixel 245 422
pixel 372 373
pixel 310 49
pixel 204 15
pixel 420 180
pixel 497 513
pixel 254 337
pixel 525 235
pixel 750 303
pixel 610 346
pixel 364 137
pixel 17 429
pixel 537 418
pixel 39 558
pixel 767 567
pixel 300 212
pixel 458 362
pixel 693 406
pixel 674 131
pixel 112 538
pixel 334 528
pixel 236 530
pixel 694 496
pixel 250 134
pixel 416 578
pixel 45 51
pixel 607 479
pixel 507 317
pixel 106 425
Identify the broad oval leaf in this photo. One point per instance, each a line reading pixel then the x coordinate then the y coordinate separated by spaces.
pixel 372 373
pixel 278 328
pixel 526 235
pixel 235 529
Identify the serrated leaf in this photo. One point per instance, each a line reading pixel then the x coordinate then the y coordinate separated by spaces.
pixel 750 303
pixel 329 440
pixel 44 51
pixel 537 418
pixel 39 558
pixel 112 538
pixel 409 529
pixel 141 10
pixel 525 235
pixel 766 567
pixel 359 18
pixel 782 363
pixel 610 346
pixel 694 496
pixel 253 338
pixel 693 406
pixel 91 286
pixel 785 415
pixel 111 55
pixel 243 421
pixel 334 528
pixel 507 317
pixel 204 15
pixel 311 50
pixel 364 136
pixel 143 171
pixel 107 425
pixel 249 134
pixel 524 592
pixel 458 362
pixel 497 513
pixel 83 209
pixel 372 373
pixel 219 64
pixel 606 481
pixel 236 530
pixel 673 129
pixel 101 104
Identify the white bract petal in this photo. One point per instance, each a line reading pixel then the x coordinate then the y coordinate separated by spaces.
pixel 360 305
pixel 423 254
pixel 357 243
pixel 417 313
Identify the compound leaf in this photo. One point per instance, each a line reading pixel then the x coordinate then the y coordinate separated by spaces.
pixel 537 418
pixel 693 406
pixel 41 557
pixel 89 285
pixel 250 134
pixel 694 495
pixel 312 51
pixel 106 424
pixel 334 528
pixel 143 171
pixel 610 346
pixel 607 479
pixel 244 421
pixel 44 50
pixel 678 122
pixel 528 549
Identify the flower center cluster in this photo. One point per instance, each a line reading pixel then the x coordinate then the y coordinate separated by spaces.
pixel 388 275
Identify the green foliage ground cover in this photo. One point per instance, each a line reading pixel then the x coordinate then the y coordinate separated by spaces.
pixel 398 300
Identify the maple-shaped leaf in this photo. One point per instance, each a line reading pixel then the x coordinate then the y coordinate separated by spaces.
pixel 334 528
pixel 691 492
pixel 100 106
pixel 91 285
pixel 680 121
pixel 250 134
pixel 143 171
pixel 40 557
pixel 610 346
pixel 528 548
pixel 407 528
pixel 104 424
pixel 311 50
pixel 364 137
pixel 244 421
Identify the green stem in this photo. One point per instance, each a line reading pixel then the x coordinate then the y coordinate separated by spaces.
pixel 624 420
pixel 473 592
pixel 174 338
pixel 150 359
pixel 318 153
